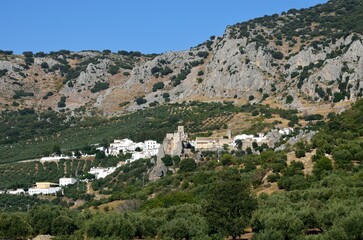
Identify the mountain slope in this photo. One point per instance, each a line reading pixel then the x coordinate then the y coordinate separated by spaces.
pixel 296 58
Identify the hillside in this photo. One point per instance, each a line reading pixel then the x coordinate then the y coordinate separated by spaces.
pixel 299 71
pixel 295 59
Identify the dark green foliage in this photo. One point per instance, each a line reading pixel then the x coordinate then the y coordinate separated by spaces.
pixel 338 97
pixel 40 54
pixel 187 165
pixel 62 102
pixel 113 69
pixel 14 226
pixel 157 86
pixel 99 86
pixel 111 225
pixel 28 54
pixel 140 100
pixel 229 206
pixel 21 94
pixel 322 166
pixel 3 72
pixel 289 99
pixel 203 54
pixel 44 65
pixel 166 95
pixel 167 160
pixel 314 117
pixel 277 55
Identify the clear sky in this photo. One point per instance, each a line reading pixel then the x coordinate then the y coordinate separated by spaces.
pixel 149 26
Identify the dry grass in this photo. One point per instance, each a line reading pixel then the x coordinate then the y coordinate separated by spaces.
pixel 307 161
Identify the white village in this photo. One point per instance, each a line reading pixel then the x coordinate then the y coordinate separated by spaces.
pixel 174 144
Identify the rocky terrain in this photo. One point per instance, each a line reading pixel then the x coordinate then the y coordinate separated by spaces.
pixel 310 56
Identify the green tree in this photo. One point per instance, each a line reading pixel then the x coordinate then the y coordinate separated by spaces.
pixel 186 226
pixel 322 165
pixel 14 226
pixel 110 225
pixel 167 160
pixel 188 165
pixel 229 206
pixel 56 149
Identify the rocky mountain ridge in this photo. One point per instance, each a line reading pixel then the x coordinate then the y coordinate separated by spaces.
pixel 292 59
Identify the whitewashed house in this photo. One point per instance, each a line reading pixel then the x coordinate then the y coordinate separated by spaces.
pixel 17 191
pixel 43 191
pixel 44 188
pixel 54 158
pixel 67 181
pixel 138 150
pixel 120 146
pixel 102 172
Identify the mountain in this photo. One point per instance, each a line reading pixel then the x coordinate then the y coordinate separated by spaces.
pixel 297 58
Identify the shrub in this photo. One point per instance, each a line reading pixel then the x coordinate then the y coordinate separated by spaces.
pixel 99 86
pixel 188 165
pixel 44 65
pixel 203 54
pixel 200 73
pixel 278 55
pixel 3 72
pixel 166 95
pixel 294 74
pixel 28 54
pixel 157 86
pixel 140 100
pixel 289 99
pixel 113 69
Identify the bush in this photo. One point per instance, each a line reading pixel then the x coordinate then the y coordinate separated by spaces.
pixel 3 72
pixel 157 86
pixel 140 100
pixel 289 99
pixel 113 69
pixel 28 54
pixel 99 86
pixel 44 65
pixel 166 95
pixel 203 54
pixel 278 55
pixel 188 165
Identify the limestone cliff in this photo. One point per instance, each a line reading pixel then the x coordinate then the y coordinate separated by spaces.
pixel 297 57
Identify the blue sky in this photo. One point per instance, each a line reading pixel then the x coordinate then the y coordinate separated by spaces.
pixel 149 26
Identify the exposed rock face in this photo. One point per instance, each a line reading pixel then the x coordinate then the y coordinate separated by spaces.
pixel 159 170
pixel 257 63
pixel 301 136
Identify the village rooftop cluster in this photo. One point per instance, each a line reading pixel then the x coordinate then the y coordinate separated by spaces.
pixel 174 144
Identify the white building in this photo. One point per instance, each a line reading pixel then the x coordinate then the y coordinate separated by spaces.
pixel 54 158
pixel 120 146
pixel 286 131
pixel 2 192
pixel 145 149
pixel 45 188
pixel 16 192
pixel 44 191
pixel 67 181
pixel 102 172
